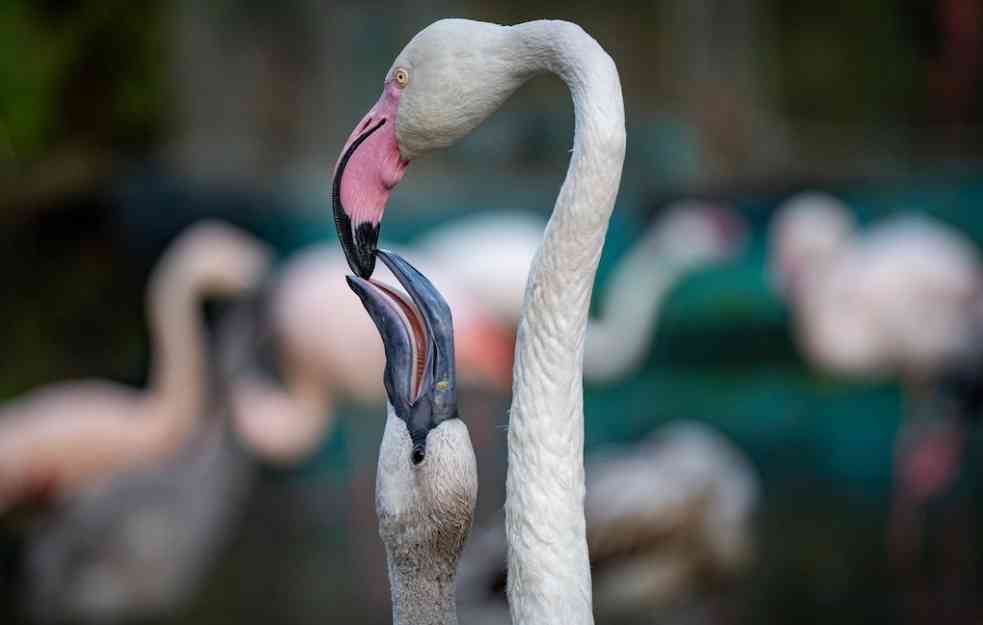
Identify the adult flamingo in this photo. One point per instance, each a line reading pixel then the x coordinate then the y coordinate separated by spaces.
pixel 446 81
pixel 58 438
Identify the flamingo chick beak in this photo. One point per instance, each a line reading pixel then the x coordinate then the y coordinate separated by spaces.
pixel 369 167
pixel 418 336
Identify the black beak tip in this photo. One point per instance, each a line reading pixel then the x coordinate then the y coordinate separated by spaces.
pixel 358 243
pixel 419 453
pixel 363 251
pixel 353 284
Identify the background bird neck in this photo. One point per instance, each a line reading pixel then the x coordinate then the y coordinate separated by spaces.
pixel 179 369
pixel 549 571
pixel 620 338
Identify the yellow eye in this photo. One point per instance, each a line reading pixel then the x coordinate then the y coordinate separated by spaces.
pixel 401 76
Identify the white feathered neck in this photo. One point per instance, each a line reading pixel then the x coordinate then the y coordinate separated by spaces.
pixel 549 571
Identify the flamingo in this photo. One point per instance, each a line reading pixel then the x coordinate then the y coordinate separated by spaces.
pixel 669 517
pixel 901 299
pixel 132 535
pixel 897 299
pixel 447 80
pixel 688 236
pixel 59 438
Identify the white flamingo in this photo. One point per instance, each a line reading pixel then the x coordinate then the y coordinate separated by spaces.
pixel 448 79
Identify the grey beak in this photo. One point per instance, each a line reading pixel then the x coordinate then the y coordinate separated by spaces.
pixel 437 400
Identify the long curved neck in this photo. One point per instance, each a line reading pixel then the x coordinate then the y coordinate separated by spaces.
pixel 178 371
pixel 618 341
pixel 549 571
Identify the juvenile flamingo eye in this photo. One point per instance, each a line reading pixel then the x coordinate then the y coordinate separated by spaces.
pixel 402 77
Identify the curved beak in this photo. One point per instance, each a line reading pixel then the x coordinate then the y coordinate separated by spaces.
pixel 369 167
pixel 418 335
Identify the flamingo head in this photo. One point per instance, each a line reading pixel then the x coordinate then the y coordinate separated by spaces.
pixel 449 78
pixel 426 488
pixel 808 232
pixel 694 232
pixel 217 258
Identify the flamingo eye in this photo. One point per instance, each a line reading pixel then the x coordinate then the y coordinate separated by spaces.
pixel 401 76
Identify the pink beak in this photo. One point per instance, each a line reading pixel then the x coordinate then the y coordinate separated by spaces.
pixel 369 167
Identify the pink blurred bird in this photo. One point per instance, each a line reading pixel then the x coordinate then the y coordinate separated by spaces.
pixel 901 299
pixel 60 437
pixel 898 299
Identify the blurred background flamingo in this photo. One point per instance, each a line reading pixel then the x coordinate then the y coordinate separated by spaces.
pixel 58 438
pixel 903 298
pixel 133 534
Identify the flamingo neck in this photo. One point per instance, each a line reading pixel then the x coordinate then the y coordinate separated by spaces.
pixel 423 595
pixel 178 371
pixel 618 342
pixel 549 571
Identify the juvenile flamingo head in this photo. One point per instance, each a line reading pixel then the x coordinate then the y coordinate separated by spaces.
pixel 426 488
pixel 452 76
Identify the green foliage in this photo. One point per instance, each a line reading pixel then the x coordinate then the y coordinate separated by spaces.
pixel 92 72
pixel 32 64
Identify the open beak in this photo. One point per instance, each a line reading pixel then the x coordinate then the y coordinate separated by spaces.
pixel 369 167
pixel 418 335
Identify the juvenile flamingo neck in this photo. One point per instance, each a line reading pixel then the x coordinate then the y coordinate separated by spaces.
pixel 423 595
pixel 549 571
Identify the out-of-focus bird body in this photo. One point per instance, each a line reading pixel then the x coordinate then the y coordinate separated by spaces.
pixel 896 299
pixel 139 543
